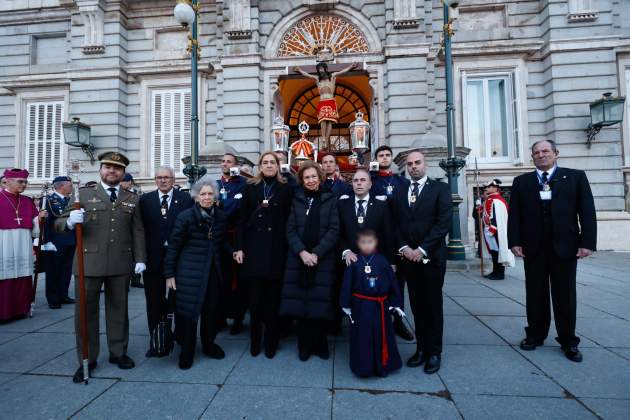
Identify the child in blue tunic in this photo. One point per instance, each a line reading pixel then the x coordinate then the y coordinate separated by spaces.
pixel 369 291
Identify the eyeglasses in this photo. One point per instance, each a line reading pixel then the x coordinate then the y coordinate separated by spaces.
pixel 163 178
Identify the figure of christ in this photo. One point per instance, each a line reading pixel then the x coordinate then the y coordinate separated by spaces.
pixel 327 108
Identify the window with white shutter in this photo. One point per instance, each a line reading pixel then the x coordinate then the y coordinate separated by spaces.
pixel 170 128
pixel 44 139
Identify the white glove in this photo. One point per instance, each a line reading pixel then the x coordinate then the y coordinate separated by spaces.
pixel 76 216
pixel 398 311
pixel 140 267
pixel 49 246
pixel 347 311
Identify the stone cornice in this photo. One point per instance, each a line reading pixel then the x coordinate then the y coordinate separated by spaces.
pixel 499 47
pixel 25 17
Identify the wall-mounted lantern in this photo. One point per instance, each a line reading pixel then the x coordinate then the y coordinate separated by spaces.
pixel 605 112
pixel 77 134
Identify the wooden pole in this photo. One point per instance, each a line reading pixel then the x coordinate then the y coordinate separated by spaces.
pixel 78 229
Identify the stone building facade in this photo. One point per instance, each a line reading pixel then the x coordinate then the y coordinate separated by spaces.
pixel 524 71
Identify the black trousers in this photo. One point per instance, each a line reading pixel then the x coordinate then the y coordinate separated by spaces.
pixel 187 328
pixel 234 290
pixel 496 267
pixel 264 304
pixel 311 334
pixel 58 267
pixel 155 293
pixel 425 282
pixel 544 272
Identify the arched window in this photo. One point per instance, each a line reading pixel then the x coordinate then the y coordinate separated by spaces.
pixel 314 33
pixel 304 108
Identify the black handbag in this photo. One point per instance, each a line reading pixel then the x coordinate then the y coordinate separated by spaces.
pixel 162 338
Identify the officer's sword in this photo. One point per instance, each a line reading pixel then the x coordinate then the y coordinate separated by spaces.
pixel 76 170
pixel 38 249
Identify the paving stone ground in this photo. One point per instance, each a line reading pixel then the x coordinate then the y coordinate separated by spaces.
pixel 484 373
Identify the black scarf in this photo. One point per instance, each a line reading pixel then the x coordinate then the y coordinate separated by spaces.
pixel 310 237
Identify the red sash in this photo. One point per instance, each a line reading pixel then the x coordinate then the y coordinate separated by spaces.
pixel 381 300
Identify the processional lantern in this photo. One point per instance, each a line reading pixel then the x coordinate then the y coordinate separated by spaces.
pixel 279 135
pixel 303 149
pixel 359 136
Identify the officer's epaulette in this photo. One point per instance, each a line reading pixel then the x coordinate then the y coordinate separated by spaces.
pixel 88 187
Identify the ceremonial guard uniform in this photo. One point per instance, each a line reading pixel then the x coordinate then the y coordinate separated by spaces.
pixel 338 186
pixel 385 184
pixel 113 239
pixel 495 217
pixel 57 250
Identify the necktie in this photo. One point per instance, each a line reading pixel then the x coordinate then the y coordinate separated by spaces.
pixel 164 205
pixel 112 194
pixel 414 193
pixel 545 177
pixel 361 209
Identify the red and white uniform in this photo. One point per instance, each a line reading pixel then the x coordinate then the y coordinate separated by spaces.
pixel 494 217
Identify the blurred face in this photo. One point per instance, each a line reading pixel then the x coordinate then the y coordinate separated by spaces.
pixel 227 162
pixel 205 197
pixel 361 183
pixel 125 185
pixel 491 190
pixel 65 188
pixel 310 178
pixel 384 158
pixel 16 185
pixel 3 183
pixel 111 174
pixel 367 244
pixel 329 164
pixel 543 156
pixel 269 165
pixel 164 180
pixel 416 165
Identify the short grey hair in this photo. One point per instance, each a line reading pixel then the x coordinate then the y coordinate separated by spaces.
pixel 59 184
pixel 166 168
pixel 552 144
pixel 204 181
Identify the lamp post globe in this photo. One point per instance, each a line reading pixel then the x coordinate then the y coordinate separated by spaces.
pixel 184 13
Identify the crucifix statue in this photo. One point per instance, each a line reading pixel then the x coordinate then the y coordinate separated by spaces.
pixel 327 108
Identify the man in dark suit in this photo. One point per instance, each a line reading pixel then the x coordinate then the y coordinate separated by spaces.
pixel 159 210
pixel 551 224
pixel 423 214
pixel 58 247
pixel 359 210
pixel 333 181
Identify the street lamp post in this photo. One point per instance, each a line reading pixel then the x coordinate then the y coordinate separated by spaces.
pixel 187 13
pixel 453 164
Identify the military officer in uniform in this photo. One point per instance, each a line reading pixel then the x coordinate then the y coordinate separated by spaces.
pixel 58 247
pixel 113 247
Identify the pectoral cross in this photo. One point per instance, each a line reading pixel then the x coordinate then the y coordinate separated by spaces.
pixel 18 219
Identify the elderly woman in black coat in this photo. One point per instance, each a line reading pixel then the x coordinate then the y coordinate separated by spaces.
pixel 312 231
pixel 192 266
pixel 261 249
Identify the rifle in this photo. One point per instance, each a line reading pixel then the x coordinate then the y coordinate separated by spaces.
pixel 38 248
pixel 479 217
pixel 78 229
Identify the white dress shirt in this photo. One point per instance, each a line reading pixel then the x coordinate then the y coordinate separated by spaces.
pixel 107 187
pixel 421 182
pixel 168 199
pixel 549 172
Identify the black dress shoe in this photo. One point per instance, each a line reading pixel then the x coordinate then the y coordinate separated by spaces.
pixel 54 306
pixel 77 378
pixel 185 363
pixel 255 348
pixel 270 350
pixel 529 344
pixel 124 362
pixel 416 360
pixel 324 353
pixel 237 328
pixel 401 330
pixel 214 351
pixel 151 353
pixel 67 301
pixel 495 276
pixel 572 353
pixel 304 355
pixel 432 364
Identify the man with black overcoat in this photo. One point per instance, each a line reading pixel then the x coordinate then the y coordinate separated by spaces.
pixel 551 224
pixel 423 214
pixel 159 209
